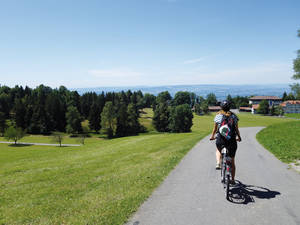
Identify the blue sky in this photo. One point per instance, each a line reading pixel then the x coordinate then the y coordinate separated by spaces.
pixel 147 42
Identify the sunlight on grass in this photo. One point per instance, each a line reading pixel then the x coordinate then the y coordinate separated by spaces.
pixel 102 182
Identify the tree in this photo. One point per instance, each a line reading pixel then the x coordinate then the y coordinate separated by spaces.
pixel 122 121
pixel 14 134
pixel 148 100
pixel 163 97
pixel 211 99
pixel 181 118
pixel 198 109
pixel 230 100
pixel 204 107
pixel 108 119
pixel 2 123
pixel 84 134
pixel 273 110
pixel 182 97
pixel 73 120
pixel 296 90
pixel 161 117
pixel 20 113
pixel 263 107
pixel 94 117
pixel 133 120
pixel 296 87
pixel 57 137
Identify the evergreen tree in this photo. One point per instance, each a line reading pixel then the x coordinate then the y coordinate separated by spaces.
pixel 73 120
pixel 133 120
pixel 20 114
pixel 161 117
pixel 122 121
pixel 230 100
pixel 108 119
pixel 148 100
pixel 181 119
pixel 2 123
pixel 94 117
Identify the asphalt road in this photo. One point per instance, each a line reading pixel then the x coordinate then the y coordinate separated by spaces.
pixel 268 192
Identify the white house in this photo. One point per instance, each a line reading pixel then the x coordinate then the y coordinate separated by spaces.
pixel 255 100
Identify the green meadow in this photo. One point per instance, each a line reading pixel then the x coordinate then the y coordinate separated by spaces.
pixel 101 182
pixel 283 140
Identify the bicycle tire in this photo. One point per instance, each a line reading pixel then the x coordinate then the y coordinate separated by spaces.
pixel 227 186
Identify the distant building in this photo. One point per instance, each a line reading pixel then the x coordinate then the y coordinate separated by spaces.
pixel 256 100
pixel 214 108
pixel 292 106
pixel 245 109
pixel 272 100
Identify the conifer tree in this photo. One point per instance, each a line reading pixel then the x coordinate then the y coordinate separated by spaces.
pixel 94 117
pixel 161 117
pixel 133 120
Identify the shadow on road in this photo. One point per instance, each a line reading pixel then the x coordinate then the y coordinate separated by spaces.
pixel 245 193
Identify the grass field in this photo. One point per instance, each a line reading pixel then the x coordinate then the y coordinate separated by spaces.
pixel 102 182
pixel 292 115
pixel 283 140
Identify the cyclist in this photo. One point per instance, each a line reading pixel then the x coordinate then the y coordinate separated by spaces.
pixel 229 119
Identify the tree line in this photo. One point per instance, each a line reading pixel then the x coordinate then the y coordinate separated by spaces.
pixel 44 110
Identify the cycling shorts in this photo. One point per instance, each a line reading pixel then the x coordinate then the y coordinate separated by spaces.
pixel 230 144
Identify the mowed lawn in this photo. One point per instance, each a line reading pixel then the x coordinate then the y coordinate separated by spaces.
pixel 101 182
pixel 283 140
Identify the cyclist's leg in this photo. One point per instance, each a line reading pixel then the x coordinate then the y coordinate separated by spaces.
pixel 232 147
pixel 233 169
pixel 220 145
pixel 218 156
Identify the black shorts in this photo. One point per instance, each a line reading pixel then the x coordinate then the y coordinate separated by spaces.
pixel 230 144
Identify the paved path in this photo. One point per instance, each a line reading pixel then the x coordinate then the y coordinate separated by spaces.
pixel 42 144
pixel 268 193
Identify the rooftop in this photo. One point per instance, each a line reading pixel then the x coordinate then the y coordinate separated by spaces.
pixel 292 102
pixel 265 98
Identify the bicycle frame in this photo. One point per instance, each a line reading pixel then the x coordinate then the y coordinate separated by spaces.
pixel 226 175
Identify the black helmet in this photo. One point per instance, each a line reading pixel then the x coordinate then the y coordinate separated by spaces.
pixel 225 105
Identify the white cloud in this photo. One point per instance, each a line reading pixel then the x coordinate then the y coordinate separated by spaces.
pixel 192 61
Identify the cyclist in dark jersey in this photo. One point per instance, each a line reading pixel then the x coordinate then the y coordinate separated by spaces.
pixel 221 141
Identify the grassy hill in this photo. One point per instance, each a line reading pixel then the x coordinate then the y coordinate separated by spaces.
pixel 102 182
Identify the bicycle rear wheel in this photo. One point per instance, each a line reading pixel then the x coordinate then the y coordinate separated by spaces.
pixel 227 186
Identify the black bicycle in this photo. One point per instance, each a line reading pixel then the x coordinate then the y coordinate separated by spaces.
pixel 226 169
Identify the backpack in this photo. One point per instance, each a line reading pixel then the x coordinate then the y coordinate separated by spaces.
pixel 227 127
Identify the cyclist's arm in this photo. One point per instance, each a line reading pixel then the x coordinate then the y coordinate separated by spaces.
pixel 238 132
pixel 214 132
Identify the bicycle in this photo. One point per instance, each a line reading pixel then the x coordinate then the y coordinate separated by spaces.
pixel 226 169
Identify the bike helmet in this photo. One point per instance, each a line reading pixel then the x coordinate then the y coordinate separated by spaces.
pixel 225 105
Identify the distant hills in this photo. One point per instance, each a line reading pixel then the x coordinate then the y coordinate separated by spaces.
pixel 221 91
